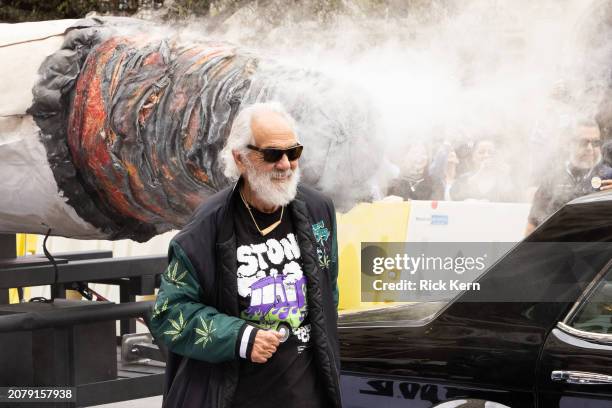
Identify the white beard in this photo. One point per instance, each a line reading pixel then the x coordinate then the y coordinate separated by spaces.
pixel 270 192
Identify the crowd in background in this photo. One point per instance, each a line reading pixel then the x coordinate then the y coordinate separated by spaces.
pixel 477 170
pixel 448 171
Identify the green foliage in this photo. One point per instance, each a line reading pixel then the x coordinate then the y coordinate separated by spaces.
pixel 13 11
pixel 185 8
pixel 215 11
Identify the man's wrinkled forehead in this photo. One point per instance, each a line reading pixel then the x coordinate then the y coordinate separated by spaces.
pixel 588 133
pixel 271 129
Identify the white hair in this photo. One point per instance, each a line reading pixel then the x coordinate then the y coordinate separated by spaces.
pixel 241 134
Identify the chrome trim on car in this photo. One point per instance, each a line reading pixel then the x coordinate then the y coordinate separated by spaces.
pixel 581 377
pixel 598 337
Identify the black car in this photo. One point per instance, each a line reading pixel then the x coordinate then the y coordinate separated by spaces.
pixel 551 346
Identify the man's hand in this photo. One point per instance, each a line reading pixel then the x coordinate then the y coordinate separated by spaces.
pixel 266 342
pixel 606 185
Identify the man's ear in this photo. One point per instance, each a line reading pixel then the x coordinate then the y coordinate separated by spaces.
pixel 239 160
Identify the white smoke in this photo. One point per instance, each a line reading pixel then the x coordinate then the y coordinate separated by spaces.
pixel 514 70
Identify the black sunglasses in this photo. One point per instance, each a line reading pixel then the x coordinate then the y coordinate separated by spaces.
pixel 586 142
pixel 272 155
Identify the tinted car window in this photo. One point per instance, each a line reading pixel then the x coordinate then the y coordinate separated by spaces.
pixel 595 313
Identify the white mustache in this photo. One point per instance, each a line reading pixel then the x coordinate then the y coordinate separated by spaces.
pixel 280 174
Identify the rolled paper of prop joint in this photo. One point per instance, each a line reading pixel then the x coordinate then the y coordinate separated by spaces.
pixel 123 136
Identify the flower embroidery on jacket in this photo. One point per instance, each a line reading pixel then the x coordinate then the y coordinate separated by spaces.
pixel 321 234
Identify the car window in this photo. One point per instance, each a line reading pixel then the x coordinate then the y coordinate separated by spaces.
pixel 530 272
pixel 421 280
pixel 594 314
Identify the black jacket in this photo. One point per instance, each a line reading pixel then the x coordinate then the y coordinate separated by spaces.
pixel 557 189
pixel 209 243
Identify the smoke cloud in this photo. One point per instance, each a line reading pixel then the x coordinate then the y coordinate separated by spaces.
pixel 519 72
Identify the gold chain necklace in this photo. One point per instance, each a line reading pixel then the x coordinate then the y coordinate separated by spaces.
pixel 267 230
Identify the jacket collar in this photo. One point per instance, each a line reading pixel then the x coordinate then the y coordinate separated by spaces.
pixel 226 229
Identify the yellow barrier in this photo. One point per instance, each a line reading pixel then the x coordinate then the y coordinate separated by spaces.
pixel 367 222
pixel 26 243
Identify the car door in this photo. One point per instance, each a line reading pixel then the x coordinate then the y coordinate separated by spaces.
pixel 409 356
pixel 576 365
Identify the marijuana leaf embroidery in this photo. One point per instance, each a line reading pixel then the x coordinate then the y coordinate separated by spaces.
pixel 171 275
pixel 205 333
pixel 323 259
pixel 178 327
pixel 324 262
pixel 157 310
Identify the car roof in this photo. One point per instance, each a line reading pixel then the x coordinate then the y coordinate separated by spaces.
pixel 585 219
pixel 591 198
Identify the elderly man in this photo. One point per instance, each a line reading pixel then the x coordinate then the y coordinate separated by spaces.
pixel 567 182
pixel 248 304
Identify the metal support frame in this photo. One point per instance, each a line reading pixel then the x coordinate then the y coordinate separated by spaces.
pixel 91 270
pixel 8 246
pixel 107 392
pixel 134 276
pixel 125 295
pixel 139 347
pixel 61 318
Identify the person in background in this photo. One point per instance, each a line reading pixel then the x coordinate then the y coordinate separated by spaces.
pixel 443 168
pixel 489 178
pixel 415 182
pixel 601 174
pixel 569 179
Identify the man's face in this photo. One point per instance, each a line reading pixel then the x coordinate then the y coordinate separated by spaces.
pixel 270 130
pixel 274 183
pixel 416 159
pixel 586 147
pixel 483 151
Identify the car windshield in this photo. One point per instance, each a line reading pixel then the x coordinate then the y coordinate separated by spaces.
pixel 531 273
pixel 554 264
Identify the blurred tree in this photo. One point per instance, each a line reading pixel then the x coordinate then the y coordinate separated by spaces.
pixel 214 11
pixel 12 11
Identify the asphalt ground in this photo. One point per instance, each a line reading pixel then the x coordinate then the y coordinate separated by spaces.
pixel 151 402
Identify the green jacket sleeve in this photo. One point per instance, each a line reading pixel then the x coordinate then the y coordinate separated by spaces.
pixel 185 325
